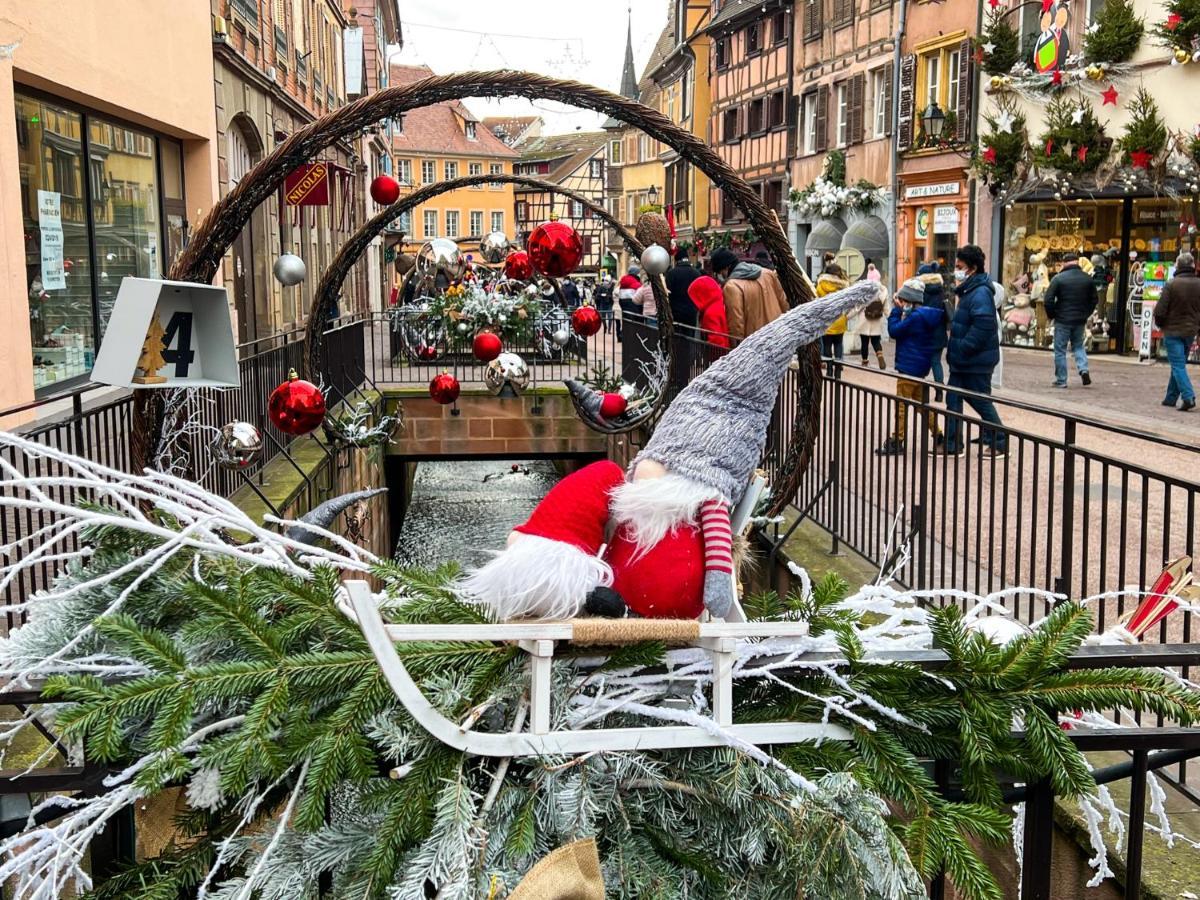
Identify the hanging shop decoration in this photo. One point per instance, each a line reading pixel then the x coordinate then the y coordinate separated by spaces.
pixel 555 249
pixel 829 195
pixel 1179 32
pixel 385 190
pixel 1003 150
pixel 289 270
pixel 1074 141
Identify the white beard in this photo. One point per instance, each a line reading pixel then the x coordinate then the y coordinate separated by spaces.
pixel 654 507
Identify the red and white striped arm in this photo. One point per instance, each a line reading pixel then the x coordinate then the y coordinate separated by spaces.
pixel 718 537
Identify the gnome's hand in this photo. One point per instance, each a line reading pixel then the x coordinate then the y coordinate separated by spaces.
pixel 718 593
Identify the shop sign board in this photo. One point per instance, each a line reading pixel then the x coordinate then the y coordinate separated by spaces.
pixel 945 220
pixel 307 185
pixel 922 224
pixel 920 191
pixel 54 275
pixel 1147 329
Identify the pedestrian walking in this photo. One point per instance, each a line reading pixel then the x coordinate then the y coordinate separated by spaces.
pixel 868 325
pixel 1069 303
pixel 626 289
pixel 914 327
pixel 1177 314
pixel 832 280
pixel 679 282
pixel 709 301
pixel 973 352
pixel 935 298
pixel 646 302
pixel 753 295
pixel 570 292
pixel 604 300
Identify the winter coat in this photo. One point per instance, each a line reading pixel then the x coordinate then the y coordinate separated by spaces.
pixel 864 327
pixel 628 286
pixel 1071 297
pixel 570 292
pixel 647 301
pixel 1177 312
pixel 753 298
pixel 935 298
pixel 604 295
pixel 680 279
pixel 974 346
pixel 914 332
pixel 709 301
pixel 831 284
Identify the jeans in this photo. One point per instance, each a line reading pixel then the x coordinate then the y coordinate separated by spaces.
pixel 832 347
pixel 980 383
pixel 939 371
pixel 605 308
pixel 1063 334
pixel 1180 384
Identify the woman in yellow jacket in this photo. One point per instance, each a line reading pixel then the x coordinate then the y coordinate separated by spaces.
pixel 833 279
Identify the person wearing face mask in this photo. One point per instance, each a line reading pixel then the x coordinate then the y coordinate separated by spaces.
pixel 973 352
pixel 753 295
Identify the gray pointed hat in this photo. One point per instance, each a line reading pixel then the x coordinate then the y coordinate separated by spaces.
pixel 714 432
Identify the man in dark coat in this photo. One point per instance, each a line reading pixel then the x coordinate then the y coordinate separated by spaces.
pixel 1177 313
pixel 973 352
pixel 1070 301
pixel 679 280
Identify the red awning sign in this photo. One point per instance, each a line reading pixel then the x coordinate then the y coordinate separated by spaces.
pixel 307 185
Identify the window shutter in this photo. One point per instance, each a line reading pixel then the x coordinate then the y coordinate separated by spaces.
pixel 858 90
pixel 889 77
pixel 904 127
pixel 813 18
pixel 822 118
pixel 965 82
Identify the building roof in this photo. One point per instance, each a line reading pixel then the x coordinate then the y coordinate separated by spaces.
pixel 567 152
pixel 510 129
pixel 628 71
pixel 438 129
pixel 739 9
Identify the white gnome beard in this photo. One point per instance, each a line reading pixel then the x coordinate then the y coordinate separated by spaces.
pixel 654 507
pixel 536 578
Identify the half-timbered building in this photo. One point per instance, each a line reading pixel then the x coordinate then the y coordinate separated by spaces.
pixel 844 70
pixel 752 109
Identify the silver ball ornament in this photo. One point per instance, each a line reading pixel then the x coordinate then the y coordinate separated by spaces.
pixel 561 338
pixel 508 370
pixel 236 445
pixel 656 260
pixel 289 269
pixel 463 328
pixel 494 247
pixel 441 255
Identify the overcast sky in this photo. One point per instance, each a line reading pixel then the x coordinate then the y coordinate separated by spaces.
pixel 579 39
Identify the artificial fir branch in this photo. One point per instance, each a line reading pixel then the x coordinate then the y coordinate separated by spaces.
pixel 1115 34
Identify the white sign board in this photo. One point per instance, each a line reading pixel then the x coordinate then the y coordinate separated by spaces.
pixel 945 189
pixel 197 346
pixel 352 58
pixel 54 276
pixel 1147 329
pixel 945 220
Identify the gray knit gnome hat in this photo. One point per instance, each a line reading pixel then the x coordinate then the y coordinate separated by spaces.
pixel 714 432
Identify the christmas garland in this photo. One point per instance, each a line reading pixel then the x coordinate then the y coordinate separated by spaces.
pixel 1002 150
pixel 829 195
pixel 1074 141
pixel 511 310
pixel 1145 135
pixel 1180 30
pixel 239 677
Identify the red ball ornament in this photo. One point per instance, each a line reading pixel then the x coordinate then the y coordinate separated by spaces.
pixel 612 406
pixel 487 346
pixel 385 190
pixel 517 266
pixel 444 388
pixel 586 321
pixel 555 249
pixel 296 406
pixel 427 353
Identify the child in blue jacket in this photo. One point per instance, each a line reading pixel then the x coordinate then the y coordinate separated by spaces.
pixel 914 327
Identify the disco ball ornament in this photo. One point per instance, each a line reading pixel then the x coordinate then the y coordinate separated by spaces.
pixel 385 190
pixel 486 346
pixel 441 256
pixel 297 406
pixel 518 266
pixel 653 228
pixel 585 321
pixel 561 338
pixel 494 247
pixel 289 270
pixel 444 388
pixel 612 406
pixel 555 249
pixel 656 260
pixel 507 370
pixel 236 445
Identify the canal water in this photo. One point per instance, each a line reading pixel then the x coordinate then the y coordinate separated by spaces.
pixel 463 511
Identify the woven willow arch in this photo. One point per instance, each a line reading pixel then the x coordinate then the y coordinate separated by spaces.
pixel 213 237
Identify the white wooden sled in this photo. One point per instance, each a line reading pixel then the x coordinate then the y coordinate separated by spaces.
pixel 538 640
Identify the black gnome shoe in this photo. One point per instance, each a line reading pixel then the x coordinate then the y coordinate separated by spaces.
pixel 607 603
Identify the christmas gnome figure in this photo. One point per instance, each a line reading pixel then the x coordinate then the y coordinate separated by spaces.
pixel 669 543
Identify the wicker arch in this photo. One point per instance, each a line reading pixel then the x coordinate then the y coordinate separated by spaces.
pixel 199 262
pixel 351 251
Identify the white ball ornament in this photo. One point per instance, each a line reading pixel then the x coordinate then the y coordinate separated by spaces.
pixel 289 270
pixel 656 260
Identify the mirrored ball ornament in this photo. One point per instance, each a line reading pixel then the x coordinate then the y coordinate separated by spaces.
pixel 494 247
pixel 289 270
pixel 656 260
pixel 561 338
pixel 506 370
pixel 236 445
pixel 441 256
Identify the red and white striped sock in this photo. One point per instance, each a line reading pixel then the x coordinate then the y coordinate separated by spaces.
pixel 718 537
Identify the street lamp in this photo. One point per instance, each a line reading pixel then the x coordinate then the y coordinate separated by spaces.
pixel 652 195
pixel 934 120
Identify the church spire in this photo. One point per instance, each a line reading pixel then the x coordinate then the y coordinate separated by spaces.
pixel 629 82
